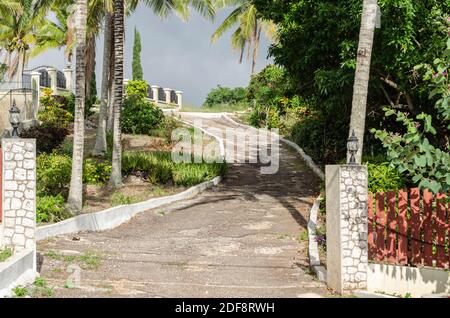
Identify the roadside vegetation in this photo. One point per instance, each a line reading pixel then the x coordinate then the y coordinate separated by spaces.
pixel 147 168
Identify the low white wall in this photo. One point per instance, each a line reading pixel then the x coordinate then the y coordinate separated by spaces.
pixel 19 269
pixel 394 279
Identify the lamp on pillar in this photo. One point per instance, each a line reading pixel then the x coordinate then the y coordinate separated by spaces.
pixel 352 147
pixel 14 119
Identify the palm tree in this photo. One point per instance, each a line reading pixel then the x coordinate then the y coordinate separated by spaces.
pixel 17 35
pixel 362 73
pixel 9 7
pixel 249 28
pixel 161 8
pixel 57 34
pixel 75 199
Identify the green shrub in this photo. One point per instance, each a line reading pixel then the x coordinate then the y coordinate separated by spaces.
pixel 140 116
pixel 166 128
pixel 48 137
pixel 53 174
pixel 384 178
pixel 137 89
pixel 189 174
pixel 119 198
pixel 5 254
pixel 96 172
pixel 155 166
pixel 54 113
pixel 51 209
pixel 224 95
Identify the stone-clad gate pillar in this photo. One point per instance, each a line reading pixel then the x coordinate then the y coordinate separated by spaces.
pixel 19 193
pixel 346 197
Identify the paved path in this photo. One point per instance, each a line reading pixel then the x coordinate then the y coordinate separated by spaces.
pixel 240 239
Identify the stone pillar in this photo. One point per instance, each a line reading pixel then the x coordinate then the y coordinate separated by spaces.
pixel 68 75
pixel 36 84
pixel 167 91
pixel 19 193
pixel 179 98
pixel 52 72
pixel 155 90
pixel 346 196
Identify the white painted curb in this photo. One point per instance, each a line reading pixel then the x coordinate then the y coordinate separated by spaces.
pixel 19 269
pixel 302 153
pixel 115 216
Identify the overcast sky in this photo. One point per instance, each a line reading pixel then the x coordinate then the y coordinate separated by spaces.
pixel 177 55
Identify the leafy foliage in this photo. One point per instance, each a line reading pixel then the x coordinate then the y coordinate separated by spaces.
pixel 53 174
pixel 225 95
pixel 96 172
pixel 48 136
pixel 54 113
pixel 139 116
pixel 51 209
pixel 384 178
pixel 316 48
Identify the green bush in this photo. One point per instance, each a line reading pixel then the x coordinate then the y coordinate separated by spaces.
pixel 53 174
pixel 225 95
pixel 384 178
pixel 96 172
pixel 158 168
pixel 166 128
pixel 155 167
pixel 54 113
pixel 48 137
pixel 137 89
pixel 140 116
pixel 51 209
pixel 189 174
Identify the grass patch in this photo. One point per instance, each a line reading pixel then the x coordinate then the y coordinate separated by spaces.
pixel 119 198
pixel 5 254
pixel 303 236
pixel 20 291
pixel 87 260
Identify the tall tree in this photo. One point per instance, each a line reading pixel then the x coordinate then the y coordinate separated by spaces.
pixel 161 8
pixel 57 33
pixel 137 66
pixel 362 73
pixel 75 199
pixel 18 35
pixel 249 28
pixel 119 38
pixel 100 140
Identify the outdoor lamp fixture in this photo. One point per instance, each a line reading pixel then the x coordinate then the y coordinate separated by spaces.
pixel 14 119
pixel 352 147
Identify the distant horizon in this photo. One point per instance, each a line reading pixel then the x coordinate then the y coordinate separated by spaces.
pixel 202 65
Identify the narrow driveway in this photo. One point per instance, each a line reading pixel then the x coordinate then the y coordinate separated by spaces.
pixel 239 239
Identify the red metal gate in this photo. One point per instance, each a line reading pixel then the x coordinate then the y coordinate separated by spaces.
pixel 409 227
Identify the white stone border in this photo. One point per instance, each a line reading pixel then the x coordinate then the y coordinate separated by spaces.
pixel 313 246
pixel 115 216
pixel 17 270
pixel 300 151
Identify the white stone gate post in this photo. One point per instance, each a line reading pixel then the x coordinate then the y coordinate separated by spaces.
pixel 19 193
pixel 347 219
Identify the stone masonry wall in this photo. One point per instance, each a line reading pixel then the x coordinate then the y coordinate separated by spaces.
pixel 346 200
pixel 19 193
pixel 353 204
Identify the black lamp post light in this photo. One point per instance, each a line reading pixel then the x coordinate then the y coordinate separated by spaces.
pixel 352 147
pixel 14 119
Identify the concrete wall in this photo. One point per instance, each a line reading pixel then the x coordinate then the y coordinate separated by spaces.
pixel 400 280
pixel 25 101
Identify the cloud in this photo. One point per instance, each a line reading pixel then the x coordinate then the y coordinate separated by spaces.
pixel 177 55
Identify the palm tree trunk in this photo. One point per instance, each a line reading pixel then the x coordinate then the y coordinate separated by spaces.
pixel 362 74
pixel 116 173
pixel 75 199
pixel 90 62
pixel 256 47
pixel 100 141
pixel 109 126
